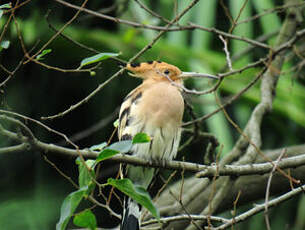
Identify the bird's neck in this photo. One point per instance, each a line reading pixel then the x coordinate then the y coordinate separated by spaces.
pixel 156 80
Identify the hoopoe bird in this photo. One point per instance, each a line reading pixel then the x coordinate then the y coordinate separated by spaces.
pixel 156 108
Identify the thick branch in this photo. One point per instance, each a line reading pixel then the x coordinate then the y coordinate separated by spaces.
pixel 203 170
pixel 252 188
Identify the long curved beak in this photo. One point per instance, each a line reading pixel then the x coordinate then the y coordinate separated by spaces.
pixel 133 75
pixel 199 75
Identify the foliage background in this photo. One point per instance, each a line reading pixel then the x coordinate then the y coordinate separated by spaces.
pixel 31 189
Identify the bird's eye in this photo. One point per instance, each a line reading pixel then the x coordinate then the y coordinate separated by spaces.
pixel 166 72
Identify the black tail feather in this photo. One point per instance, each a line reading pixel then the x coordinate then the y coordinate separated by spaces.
pixel 130 222
pixel 131 215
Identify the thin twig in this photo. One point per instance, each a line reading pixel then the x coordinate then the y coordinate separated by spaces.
pixel 87 98
pixel 238 16
pixel 14 149
pixel 11 73
pixel 185 210
pixel 8 21
pixel 166 220
pixel 261 207
pixel 26 131
pixel 191 26
pixel 153 13
pixel 17 6
pixel 251 142
pixel 26 118
pixel 144 49
pixel 282 47
pixel 269 11
pixel 225 48
pixel 268 188
pixel 76 42
pixel 235 97
pixel 30 58
pixel 235 205
pixel 228 35
pixel 60 172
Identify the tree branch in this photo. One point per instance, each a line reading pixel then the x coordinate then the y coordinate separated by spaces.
pixel 201 170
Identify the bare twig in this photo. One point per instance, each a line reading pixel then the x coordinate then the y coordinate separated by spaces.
pixel 61 172
pixel 40 124
pixel 26 131
pixel 144 49
pixel 17 6
pixel 191 26
pixel 87 98
pixel 234 24
pixel 8 21
pixel 76 42
pixel 225 48
pixel 268 188
pixel 166 220
pixel 14 149
pixel 235 97
pixel 261 207
pixel 153 13
pixel 228 35
pixel 253 144
pixel 56 34
pixel 233 212
pixel 11 73
pixel 194 224
pixel 269 11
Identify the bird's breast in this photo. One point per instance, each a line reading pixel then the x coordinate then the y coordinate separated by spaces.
pixel 163 105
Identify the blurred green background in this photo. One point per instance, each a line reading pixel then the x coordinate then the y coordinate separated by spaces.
pixel 31 189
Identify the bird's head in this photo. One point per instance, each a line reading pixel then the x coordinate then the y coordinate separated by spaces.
pixel 156 70
pixel 162 71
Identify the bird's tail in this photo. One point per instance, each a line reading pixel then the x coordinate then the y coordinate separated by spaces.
pixel 131 215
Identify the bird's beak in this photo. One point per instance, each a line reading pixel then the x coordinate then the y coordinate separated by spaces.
pixel 198 75
pixel 132 74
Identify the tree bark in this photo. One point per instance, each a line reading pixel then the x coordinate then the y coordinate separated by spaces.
pixel 252 188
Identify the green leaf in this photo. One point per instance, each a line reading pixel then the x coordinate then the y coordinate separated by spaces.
pixel 141 138
pixel 85 175
pixel 98 147
pixel 97 58
pixel 68 207
pixel 6 6
pixel 121 146
pixel 106 154
pixel 4 44
pixel 137 193
pixel 115 148
pixel 43 53
pixel 85 219
pixel 116 123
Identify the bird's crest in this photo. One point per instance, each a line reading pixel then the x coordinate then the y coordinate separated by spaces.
pixel 154 69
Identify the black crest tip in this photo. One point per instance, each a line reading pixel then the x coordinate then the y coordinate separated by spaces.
pixel 135 64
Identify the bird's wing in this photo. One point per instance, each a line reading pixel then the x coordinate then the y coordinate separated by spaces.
pixel 130 123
